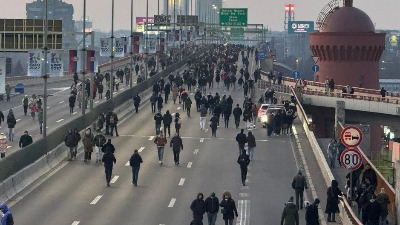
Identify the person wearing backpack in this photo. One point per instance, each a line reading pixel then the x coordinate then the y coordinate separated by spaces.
pixel 11 122
pixel 312 217
pixel 7 218
pixel 167 120
pixel 69 141
pixel 113 124
pixel 244 162
pixel 25 104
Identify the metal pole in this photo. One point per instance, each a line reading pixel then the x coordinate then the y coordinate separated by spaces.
pixel 146 37
pixel 83 69
pixel 158 37
pixel 131 53
pixel 174 23
pixel 166 36
pixel 45 75
pixel 91 83
pixel 112 52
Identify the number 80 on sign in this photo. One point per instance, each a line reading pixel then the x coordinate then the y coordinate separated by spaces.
pixel 351 159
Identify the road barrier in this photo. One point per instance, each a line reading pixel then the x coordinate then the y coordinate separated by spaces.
pixel 22 168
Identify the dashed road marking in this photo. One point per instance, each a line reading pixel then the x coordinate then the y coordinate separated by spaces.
pixel 201 139
pixel 181 182
pixel 59 120
pixel 61 102
pixel 74 113
pixel 96 102
pixel 178 108
pixel 172 203
pixel 114 92
pixel 95 200
pixel 17 120
pixel 75 222
pixel 115 178
pixel 244 212
pixel 207 130
pixel 127 164
pixel 48 107
pixel 151 138
pixel 244 195
pixel 189 165
pixel 9 146
pixel 141 149
pixel 122 89
pixel 196 151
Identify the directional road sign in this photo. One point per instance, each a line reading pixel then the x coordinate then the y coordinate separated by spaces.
pixel 351 136
pixel 296 74
pixel 315 68
pixel 261 55
pixel 351 159
pixel 234 17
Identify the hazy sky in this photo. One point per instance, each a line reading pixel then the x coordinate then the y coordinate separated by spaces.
pixel 384 13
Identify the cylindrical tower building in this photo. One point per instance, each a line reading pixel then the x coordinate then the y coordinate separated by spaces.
pixel 348 48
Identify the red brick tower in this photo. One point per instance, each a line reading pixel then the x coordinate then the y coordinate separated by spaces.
pixel 348 48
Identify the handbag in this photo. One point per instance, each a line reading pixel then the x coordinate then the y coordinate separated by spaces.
pixel 223 211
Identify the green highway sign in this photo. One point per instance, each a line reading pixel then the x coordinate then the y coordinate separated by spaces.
pixel 233 17
pixel 300 27
pixel 237 32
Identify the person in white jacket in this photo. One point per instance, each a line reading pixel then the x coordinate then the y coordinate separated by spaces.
pixel 3 145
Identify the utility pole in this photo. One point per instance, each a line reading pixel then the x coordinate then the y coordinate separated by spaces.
pixel 131 52
pixel 112 52
pixel 45 73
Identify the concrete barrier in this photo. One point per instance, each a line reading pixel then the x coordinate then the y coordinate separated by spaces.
pixel 29 174
pixel 57 155
pixel 7 190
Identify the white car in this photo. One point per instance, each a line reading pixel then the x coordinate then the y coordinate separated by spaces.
pixel 266 109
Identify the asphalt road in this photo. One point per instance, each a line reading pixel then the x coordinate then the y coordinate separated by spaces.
pixel 76 193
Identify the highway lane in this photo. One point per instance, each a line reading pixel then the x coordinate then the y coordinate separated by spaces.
pixel 66 196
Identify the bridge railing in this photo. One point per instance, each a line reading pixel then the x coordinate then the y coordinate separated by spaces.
pixel 346 212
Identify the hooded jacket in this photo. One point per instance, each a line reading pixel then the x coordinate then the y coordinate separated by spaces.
pixel 290 214
pixel 7 218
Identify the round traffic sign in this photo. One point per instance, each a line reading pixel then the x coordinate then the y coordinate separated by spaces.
pixel 315 68
pixel 351 136
pixel 296 74
pixel 351 159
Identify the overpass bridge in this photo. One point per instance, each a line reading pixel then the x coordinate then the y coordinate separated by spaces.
pixel 364 103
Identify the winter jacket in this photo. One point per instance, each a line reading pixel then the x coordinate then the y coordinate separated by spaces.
pixel 251 141
pixel 333 194
pixel 312 217
pixel 290 215
pixel 383 199
pixel 167 119
pixel 109 160
pixel 176 144
pixel 229 207
pixel 373 210
pixel 25 140
pixel 7 218
pixel 70 140
pixel 158 118
pixel 203 112
pixel 198 209
pixel 88 142
pixel 212 205
pixel 11 121
pixel 237 112
pixel 241 139
pixel 99 140
pixel 160 141
pixel 135 160
pixel 299 182
pixel 243 160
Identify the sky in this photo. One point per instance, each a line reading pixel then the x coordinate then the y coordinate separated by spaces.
pixel 384 13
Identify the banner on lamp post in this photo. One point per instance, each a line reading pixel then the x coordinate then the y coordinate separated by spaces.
pixel 105 47
pixel 35 63
pixel 136 42
pixel 75 62
pixel 119 47
pixel 2 75
pixel 56 62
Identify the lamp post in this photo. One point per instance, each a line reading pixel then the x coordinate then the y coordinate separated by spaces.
pixel 146 51
pixel 131 52
pixel 45 73
pixel 83 60
pixel 112 52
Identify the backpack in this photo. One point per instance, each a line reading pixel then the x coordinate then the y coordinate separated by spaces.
pixel 26 100
pixel 112 119
pixel 243 161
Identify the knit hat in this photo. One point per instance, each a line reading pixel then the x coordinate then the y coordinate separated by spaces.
pixel 290 199
pixel 316 201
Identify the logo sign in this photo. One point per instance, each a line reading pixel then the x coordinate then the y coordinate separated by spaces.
pixel 261 55
pixel 296 74
pixel 105 47
pixel 143 20
pixel 351 136
pixel 235 17
pixel 315 68
pixel 35 62
pixel 351 159
pixel 300 27
pixel 56 62
pixel 119 49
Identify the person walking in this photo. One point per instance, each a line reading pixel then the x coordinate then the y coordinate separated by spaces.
pixel 237 112
pixel 227 113
pixel 203 115
pixel 40 120
pixel 11 122
pixel 8 92
pixel 175 93
pixel 251 145
pixel 25 140
pixel 299 183
pixel 178 123
pixel 33 107
pixel 7 218
pixel 113 124
pixel 214 125
pixel 198 208
pixel 88 144
pixel 188 105
pixel 158 118
pixel 135 162
pixel 384 200
pixel 241 139
pixel 136 102
pixel 332 153
pixel 312 217
pixel 3 145
pixel 290 214
pixel 153 101
pixel 332 201
pixel 177 146
pixel 160 102
pixel 69 141
pixel 108 160
pixel 99 141
pixel 212 208
pixel 167 120
pixel 244 162
pixel 160 142
pixel 373 211
pixel 228 208
pixel 71 101
pixel 25 104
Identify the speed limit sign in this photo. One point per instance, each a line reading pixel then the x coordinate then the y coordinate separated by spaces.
pixel 351 159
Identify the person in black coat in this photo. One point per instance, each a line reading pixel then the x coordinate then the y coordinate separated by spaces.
pixel 217 111
pixel 243 161
pixel 237 112
pixel 241 140
pixel 160 102
pixel 214 125
pixel 198 208
pixel 25 140
pixel 135 162
pixel 373 211
pixel 136 102
pixel 228 208
pixel 167 91
pixel 108 160
pixel 312 217
pixel 71 100
pixel 212 208
pixel 227 114
pixel 167 120
pixel 332 201
pixel 177 146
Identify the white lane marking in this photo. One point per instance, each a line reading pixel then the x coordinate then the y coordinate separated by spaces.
pixel 17 120
pixel 96 102
pixel 95 200
pixel 192 93
pixel 122 89
pixel 9 146
pixel 161 128
pixel 181 182
pixel 114 92
pixel 244 195
pixel 141 149
pixel 196 151
pixel 59 120
pixel 201 139
pixel 189 165
pixel 127 164
pixel 48 107
pixel 207 130
pixel 75 222
pixel 114 179
pixel 178 108
pixel 61 102
pixel 74 113
pixel 173 114
pixel 244 212
pixel 151 138
pixel 172 203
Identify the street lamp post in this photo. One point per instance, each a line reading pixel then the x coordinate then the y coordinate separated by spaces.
pixel 45 73
pixel 131 52
pixel 83 69
pixel 112 52
pixel 146 51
